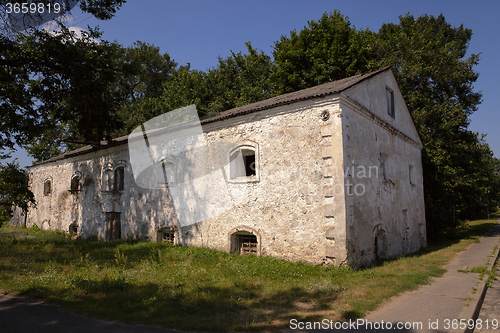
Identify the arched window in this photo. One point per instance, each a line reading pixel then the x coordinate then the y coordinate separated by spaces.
pixel 113 179
pixel 76 182
pixel 244 162
pixel 47 187
pixel 244 240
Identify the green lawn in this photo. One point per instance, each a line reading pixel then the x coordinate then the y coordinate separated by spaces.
pixel 201 289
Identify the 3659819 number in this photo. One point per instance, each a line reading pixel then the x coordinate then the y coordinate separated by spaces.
pixel 32 8
pixel 471 324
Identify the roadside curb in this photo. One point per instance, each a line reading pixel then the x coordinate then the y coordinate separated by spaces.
pixel 472 312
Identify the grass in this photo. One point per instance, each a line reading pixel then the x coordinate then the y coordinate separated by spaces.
pixel 202 289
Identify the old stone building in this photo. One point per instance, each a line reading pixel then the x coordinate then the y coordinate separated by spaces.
pixel 330 174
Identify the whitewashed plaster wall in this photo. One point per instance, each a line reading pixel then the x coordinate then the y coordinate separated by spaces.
pixel 286 207
pixel 372 138
pixel 301 207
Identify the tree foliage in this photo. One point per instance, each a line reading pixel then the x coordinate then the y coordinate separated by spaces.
pixel 326 50
pixel 49 78
pixel 428 58
pixel 14 189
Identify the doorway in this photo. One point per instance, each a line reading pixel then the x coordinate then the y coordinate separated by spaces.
pixel 113 226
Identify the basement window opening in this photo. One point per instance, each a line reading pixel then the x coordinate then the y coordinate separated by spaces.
pixel 166 235
pixel 73 228
pixel 247 244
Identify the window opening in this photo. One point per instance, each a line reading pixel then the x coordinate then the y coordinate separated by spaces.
pixel 243 163
pixel 75 184
pixel 411 175
pixel 47 187
pixel 249 161
pixel 73 228
pixel 389 94
pixel 406 223
pixel 166 235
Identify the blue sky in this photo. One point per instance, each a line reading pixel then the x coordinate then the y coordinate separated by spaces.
pixel 198 31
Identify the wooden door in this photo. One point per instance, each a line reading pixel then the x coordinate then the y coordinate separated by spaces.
pixel 113 226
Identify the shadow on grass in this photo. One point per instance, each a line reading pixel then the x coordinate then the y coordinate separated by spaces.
pixel 219 308
pixel 183 302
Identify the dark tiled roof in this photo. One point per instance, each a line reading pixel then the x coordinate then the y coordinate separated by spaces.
pixel 318 91
pixel 309 93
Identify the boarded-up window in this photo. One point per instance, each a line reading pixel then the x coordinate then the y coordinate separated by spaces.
pixel 406 223
pixel 47 187
pixel 166 235
pixel 247 244
pixel 119 179
pixel 385 166
pixel 107 180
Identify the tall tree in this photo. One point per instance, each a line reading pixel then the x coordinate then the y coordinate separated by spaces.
pixel 43 73
pixel 150 70
pixel 428 57
pixel 14 189
pixel 237 80
pixel 326 50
